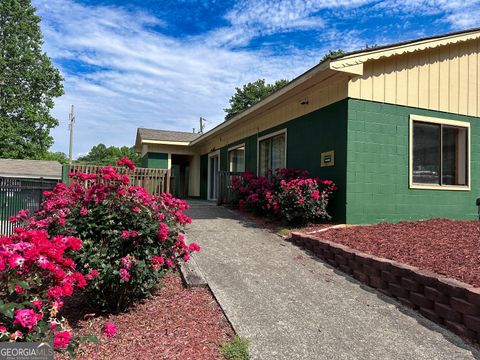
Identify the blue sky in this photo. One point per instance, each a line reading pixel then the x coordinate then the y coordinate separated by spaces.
pixel 163 64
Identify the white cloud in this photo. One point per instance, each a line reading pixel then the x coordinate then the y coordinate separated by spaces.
pixel 140 78
pixel 129 76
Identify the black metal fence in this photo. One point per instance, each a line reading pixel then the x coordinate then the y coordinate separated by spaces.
pixel 20 193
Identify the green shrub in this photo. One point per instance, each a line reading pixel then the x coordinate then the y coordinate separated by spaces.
pixel 236 349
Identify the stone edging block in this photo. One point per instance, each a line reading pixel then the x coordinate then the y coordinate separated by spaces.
pixel 446 301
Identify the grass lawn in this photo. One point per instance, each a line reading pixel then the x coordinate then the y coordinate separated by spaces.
pixel 176 323
pixel 447 247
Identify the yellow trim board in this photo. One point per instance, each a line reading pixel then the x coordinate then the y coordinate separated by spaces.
pixel 166 142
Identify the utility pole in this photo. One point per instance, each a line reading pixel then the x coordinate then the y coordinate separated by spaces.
pixel 202 124
pixel 71 118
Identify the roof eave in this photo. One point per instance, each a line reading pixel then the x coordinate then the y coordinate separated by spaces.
pixel 269 99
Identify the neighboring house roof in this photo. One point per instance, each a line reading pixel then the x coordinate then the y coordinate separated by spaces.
pixel 349 63
pixel 164 136
pixel 30 169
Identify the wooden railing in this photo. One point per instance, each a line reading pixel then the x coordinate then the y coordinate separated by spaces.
pixel 226 195
pixel 155 181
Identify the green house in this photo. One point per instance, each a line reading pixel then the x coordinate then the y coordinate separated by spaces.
pixel 396 127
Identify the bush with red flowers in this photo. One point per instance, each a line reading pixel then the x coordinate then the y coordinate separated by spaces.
pixel 301 201
pixel 37 272
pixel 288 194
pixel 252 192
pixel 129 236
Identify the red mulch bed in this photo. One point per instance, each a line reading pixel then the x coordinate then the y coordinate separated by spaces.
pixel 176 323
pixel 447 247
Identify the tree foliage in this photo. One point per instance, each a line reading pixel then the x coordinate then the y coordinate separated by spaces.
pixel 250 94
pixel 102 155
pixel 59 156
pixel 28 83
pixel 332 54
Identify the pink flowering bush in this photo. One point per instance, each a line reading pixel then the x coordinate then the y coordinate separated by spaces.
pixel 253 192
pixel 301 201
pixel 129 236
pixel 37 272
pixel 288 194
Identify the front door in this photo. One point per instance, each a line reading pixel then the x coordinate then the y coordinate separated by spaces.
pixel 212 177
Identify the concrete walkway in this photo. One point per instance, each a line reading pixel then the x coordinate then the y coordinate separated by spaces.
pixel 292 306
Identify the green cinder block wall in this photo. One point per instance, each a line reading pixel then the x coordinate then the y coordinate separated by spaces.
pixel 307 137
pixel 155 160
pixel 377 168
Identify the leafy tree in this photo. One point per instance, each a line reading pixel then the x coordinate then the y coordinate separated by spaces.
pixel 102 155
pixel 332 54
pixel 250 94
pixel 28 83
pixel 61 157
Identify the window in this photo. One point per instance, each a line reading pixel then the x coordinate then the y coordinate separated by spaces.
pixel 439 153
pixel 272 153
pixel 236 159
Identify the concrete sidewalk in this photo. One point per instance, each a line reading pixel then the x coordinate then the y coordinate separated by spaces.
pixel 292 306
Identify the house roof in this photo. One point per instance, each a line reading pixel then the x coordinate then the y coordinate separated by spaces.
pixel 166 136
pixel 30 168
pixel 350 63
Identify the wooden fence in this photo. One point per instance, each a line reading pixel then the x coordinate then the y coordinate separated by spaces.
pixel 155 181
pixel 17 194
pixel 226 195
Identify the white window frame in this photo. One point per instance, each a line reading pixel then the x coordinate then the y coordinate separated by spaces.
pixel 432 120
pixel 212 154
pixel 235 148
pixel 259 139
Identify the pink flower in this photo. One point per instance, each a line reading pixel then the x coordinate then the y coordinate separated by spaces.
pixel 84 211
pixel 157 262
pixel 26 318
pixel 15 260
pixel 92 275
pixel 3 329
pixel 193 247
pixel 125 234
pixel 110 329
pixel 37 303
pixel 127 264
pixel 19 290
pixel 163 232
pixel 124 275
pixel 136 209
pixel 61 339
pixel 127 162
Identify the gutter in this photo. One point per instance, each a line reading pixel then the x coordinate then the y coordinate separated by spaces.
pixel 270 98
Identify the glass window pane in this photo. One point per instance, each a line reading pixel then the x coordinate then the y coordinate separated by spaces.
pixel 454 156
pixel 426 153
pixel 278 152
pixel 237 159
pixel 264 157
pixel 272 154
